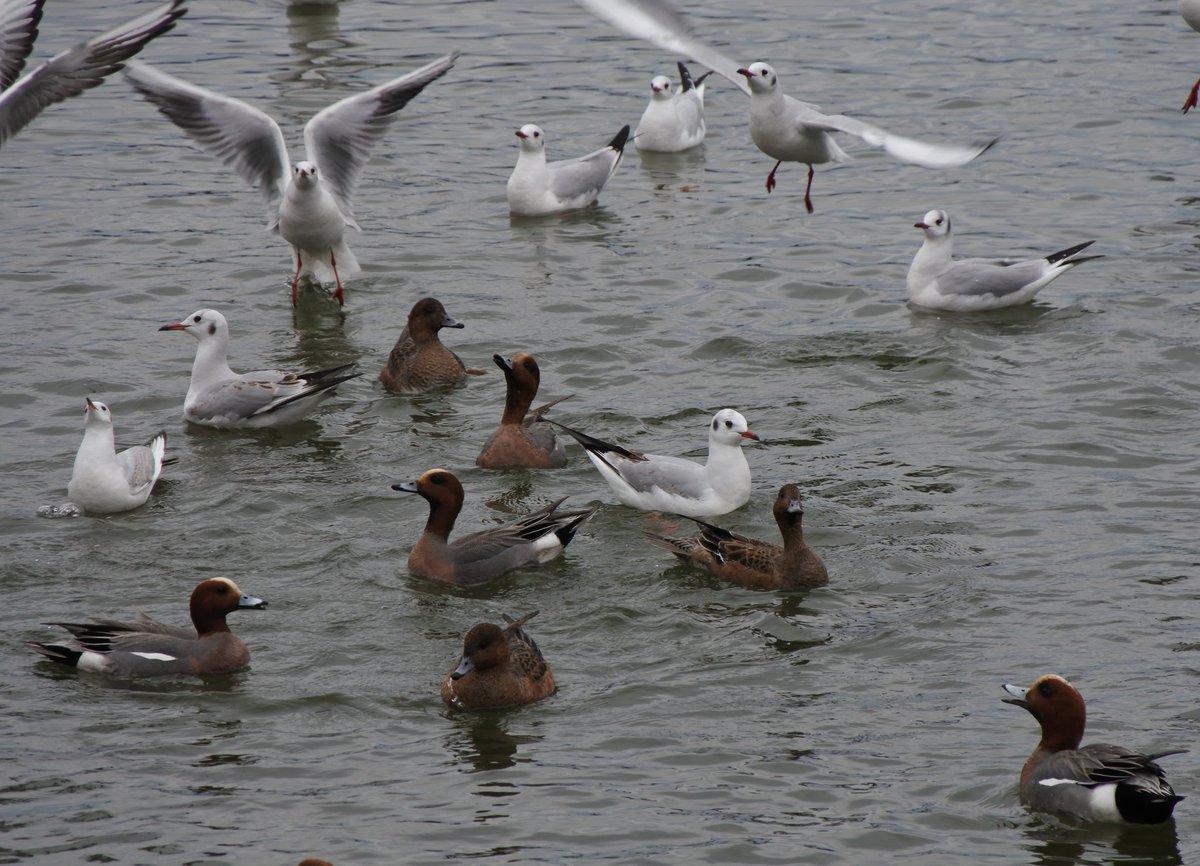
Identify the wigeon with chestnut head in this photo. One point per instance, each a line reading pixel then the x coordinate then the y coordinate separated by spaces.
pixel 524 440
pixel 499 667
pixel 419 361
pixel 1099 782
pixel 145 647
pixel 535 538
pixel 750 562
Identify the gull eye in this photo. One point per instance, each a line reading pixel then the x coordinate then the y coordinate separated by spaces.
pixel 196 319
pixel 939 221
pixel 728 425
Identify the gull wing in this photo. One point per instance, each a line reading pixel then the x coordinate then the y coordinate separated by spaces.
pixel 18 29
pixel 660 23
pixel 339 138
pixel 898 146
pixel 81 67
pixel 239 134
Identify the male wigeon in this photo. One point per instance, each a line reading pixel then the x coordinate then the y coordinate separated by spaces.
pixel 219 397
pixel 419 361
pixel 535 538
pixel 537 187
pixel 146 647
pixel 1100 782
pixel 653 482
pixel 104 481
pixel 754 563
pixel 524 440
pixel 500 667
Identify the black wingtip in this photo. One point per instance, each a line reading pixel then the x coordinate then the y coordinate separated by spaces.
pixel 591 443
pixel 1054 258
pixel 685 78
pixel 618 142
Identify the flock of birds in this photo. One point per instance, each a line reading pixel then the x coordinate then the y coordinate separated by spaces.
pixel 310 205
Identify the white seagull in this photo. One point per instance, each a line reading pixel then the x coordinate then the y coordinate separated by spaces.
pixel 653 482
pixel 936 280
pixel 307 210
pixel 70 72
pixel 105 482
pixel 674 120
pixel 219 397
pixel 1190 10
pixel 537 187
pixel 789 130
pixel 782 127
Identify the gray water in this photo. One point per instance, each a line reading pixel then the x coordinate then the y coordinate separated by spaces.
pixel 996 496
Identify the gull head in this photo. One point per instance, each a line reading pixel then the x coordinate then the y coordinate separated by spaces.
pixel 96 413
pixel 660 87
pixel 935 224
pixel 729 427
pixel 304 175
pixel 203 325
pixel 760 76
pixel 532 138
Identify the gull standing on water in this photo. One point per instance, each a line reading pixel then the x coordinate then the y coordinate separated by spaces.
pixel 308 210
pixel 219 397
pixel 788 130
pixel 784 128
pixel 1190 10
pixel 936 280
pixel 674 120
pixel 537 187
pixel 70 72
pixel 104 481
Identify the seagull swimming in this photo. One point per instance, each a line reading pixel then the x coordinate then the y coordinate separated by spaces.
pixel 308 210
pixel 104 481
pixel 936 280
pixel 674 119
pixel 1190 10
pixel 69 72
pixel 537 187
pixel 219 397
pixel 654 482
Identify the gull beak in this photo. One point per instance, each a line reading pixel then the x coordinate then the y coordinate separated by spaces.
pixel 746 72
pixel 521 135
pixel 920 225
pixel 750 434
pixel 174 326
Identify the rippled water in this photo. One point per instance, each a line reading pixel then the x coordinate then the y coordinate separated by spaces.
pixel 996 496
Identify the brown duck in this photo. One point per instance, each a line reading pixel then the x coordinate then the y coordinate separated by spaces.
pixel 754 563
pixel 524 440
pixel 500 667
pixel 419 362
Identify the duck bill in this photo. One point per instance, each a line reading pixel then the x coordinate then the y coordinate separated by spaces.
pixel 464 667
pixel 249 602
pixel 406 487
pixel 1018 696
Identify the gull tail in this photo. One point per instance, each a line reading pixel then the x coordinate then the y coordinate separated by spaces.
pixel 596 446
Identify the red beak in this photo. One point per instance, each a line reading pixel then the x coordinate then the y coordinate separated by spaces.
pixel 920 226
pixel 750 434
pixel 174 326
pixel 745 72
pixel 521 135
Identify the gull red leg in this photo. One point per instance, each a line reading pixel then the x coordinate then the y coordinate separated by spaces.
pixel 771 176
pixel 296 281
pixel 807 190
pixel 1193 97
pixel 337 293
